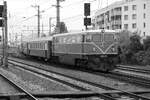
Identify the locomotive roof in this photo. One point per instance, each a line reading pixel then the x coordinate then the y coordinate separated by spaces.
pixel 41 39
pixel 72 33
pixel 85 32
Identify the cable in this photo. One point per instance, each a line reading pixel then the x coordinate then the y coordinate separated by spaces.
pixel 77 3
pixel 74 3
pixel 77 15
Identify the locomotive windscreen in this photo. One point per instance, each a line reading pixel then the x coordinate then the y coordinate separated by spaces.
pixel 97 37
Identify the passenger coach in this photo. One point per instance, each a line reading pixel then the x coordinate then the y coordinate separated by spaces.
pixel 41 47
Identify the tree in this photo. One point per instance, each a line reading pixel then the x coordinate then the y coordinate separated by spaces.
pixel 146 43
pixel 135 44
pixel 129 44
pixel 124 38
pixel 63 28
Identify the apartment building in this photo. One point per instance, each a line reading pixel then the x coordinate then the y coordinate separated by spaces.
pixel 132 15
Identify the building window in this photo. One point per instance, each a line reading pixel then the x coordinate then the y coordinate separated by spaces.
pixel 144 24
pixel 144 6
pixel 125 17
pixel 133 7
pixel 125 26
pixel 134 25
pixel 144 15
pixel 125 8
pixel 133 16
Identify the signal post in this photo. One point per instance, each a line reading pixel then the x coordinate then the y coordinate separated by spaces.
pixel 3 24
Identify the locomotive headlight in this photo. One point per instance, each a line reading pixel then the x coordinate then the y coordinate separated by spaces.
pixel 94 49
pixel 113 48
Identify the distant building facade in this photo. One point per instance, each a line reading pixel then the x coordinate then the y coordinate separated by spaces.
pixel 132 15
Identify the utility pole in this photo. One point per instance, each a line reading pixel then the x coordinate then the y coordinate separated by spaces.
pixel 58 16
pixel 42 29
pixel 50 26
pixel 38 21
pixel 5 36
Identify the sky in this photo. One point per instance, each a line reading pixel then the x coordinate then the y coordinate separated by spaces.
pixel 22 15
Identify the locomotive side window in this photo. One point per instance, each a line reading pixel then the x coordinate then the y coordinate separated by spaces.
pixel 109 37
pixel 79 39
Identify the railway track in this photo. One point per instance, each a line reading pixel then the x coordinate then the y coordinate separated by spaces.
pixel 27 94
pixel 81 84
pixel 133 69
pixel 134 75
pixel 127 77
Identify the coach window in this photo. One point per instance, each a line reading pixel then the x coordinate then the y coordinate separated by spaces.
pixel 43 46
pixel 73 39
pixel 40 45
pixel 32 45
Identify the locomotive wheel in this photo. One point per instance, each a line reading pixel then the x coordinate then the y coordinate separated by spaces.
pixel 104 67
pixel 90 65
pixel 77 63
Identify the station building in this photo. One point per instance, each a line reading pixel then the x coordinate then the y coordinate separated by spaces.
pixel 132 15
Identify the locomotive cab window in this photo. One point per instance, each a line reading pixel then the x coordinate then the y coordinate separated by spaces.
pixel 88 38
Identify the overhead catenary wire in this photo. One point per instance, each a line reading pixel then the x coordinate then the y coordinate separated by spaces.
pixel 68 18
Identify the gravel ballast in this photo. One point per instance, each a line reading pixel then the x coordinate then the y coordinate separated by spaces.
pixel 6 87
pixel 90 77
pixel 32 82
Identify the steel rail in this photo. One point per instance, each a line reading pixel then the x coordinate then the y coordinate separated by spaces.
pixel 29 95
pixel 140 70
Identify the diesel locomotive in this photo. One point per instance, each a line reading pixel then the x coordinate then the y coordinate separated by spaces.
pixel 95 49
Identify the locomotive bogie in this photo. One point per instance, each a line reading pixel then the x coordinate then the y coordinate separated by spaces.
pixel 69 59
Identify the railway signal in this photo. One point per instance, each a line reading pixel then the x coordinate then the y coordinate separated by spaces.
pixel 1 15
pixel 87 9
pixel 1 10
pixel 87 21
